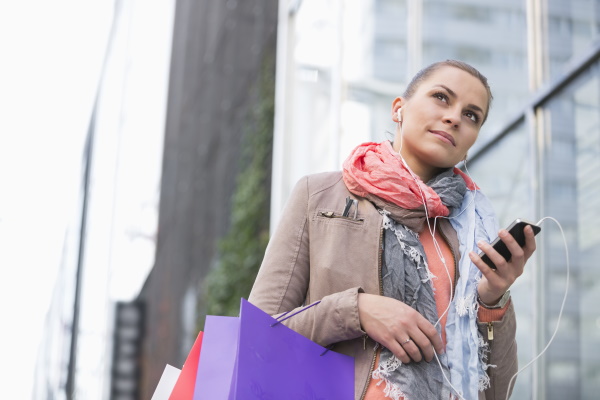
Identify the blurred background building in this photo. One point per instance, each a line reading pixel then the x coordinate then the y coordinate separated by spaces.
pixel 183 142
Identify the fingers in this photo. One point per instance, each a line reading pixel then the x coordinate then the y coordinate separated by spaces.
pixel 428 339
pixel 497 281
pixel 530 244
pixel 412 350
pixel 420 342
pixel 518 255
pixel 408 350
pixel 516 251
pixel 392 323
pixel 398 350
pixel 482 266
pixel 511 244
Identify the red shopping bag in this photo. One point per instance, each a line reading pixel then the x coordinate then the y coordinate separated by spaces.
pixel 184 387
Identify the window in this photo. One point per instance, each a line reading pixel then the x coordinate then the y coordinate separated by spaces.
pixel 571 183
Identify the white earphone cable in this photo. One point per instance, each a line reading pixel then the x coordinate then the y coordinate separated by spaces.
pixel 562 306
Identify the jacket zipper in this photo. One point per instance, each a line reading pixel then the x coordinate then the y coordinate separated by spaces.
pixel 379 266
pixel 490 331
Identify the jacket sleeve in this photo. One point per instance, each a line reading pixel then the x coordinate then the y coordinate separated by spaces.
pixel 502 355
pixel 283 280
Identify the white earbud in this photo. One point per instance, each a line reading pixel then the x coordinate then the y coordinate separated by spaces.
pixel 399 115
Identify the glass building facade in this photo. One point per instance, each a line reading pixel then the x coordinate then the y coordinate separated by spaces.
pixel 340 65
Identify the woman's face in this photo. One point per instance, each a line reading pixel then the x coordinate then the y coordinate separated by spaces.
pixel 440 121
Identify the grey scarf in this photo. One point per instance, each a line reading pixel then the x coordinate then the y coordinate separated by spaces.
pixel 406 277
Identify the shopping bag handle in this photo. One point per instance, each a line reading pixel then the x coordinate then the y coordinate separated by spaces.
pixel 280 319
pixel 297 312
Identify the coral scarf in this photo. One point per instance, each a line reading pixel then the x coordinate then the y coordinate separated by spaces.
pixel 376 169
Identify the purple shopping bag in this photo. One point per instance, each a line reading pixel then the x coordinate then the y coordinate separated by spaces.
pixel 274 362
pixel 217 359
pixel 256 357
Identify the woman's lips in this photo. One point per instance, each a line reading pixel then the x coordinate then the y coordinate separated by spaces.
pixel 445 136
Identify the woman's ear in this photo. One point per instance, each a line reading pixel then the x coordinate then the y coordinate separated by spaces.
pixel 396 109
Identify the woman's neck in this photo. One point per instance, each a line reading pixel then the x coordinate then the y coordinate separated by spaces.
pixel 426 173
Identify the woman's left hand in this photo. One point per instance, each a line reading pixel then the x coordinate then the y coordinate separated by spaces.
pixel 494 283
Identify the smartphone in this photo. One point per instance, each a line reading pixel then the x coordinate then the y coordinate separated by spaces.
pixel 516 231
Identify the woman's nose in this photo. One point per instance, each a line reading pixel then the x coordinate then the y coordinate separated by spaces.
pixel 452 118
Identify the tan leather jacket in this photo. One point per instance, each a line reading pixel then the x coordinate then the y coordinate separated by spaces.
pixel 316 255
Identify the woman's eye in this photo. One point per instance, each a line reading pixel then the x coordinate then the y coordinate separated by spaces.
pixel 441 96
pixel 472 116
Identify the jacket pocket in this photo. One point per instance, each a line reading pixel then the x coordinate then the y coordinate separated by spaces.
pixel 337 218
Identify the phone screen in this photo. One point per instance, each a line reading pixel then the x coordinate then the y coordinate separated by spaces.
pixel 516 231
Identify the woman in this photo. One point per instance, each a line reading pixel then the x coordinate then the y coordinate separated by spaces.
pixel 387 247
